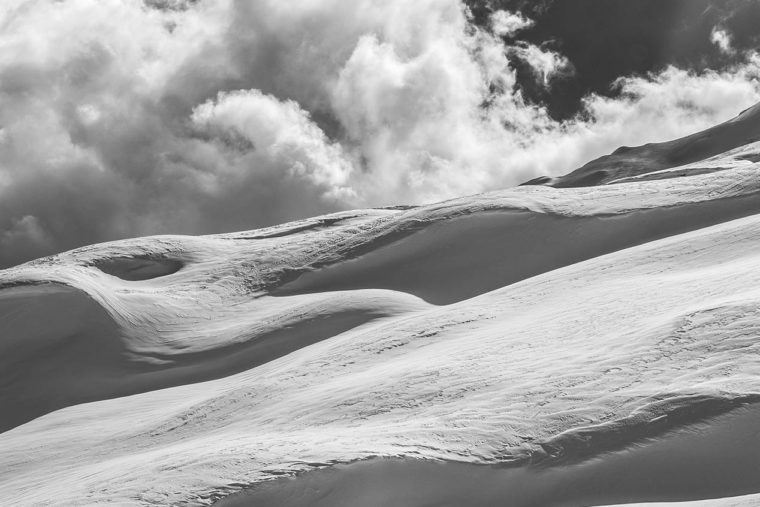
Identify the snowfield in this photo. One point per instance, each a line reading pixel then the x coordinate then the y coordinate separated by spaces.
pixel 533 325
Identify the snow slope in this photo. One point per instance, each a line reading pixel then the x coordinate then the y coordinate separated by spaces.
pixel 534 324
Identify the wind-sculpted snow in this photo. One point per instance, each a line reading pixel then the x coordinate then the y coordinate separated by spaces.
pixel 693 462
pixel 176 370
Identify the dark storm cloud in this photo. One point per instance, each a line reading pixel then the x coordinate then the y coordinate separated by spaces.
pixel 121 118
pixel 607 39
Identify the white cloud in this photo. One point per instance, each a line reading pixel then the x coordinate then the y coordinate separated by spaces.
pixel 507 24
pixel 666 106
pixel 121 119
pixel 271 135
pixel 722 39
pixel 545 63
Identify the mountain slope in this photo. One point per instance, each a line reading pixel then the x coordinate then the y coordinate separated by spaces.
pixel 650 159
pixel 530 326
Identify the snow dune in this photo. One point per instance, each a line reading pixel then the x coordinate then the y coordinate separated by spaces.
pixel 531 327
pixel 65 349
pixel 457 258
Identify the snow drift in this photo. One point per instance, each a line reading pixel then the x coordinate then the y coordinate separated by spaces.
pixel 534 326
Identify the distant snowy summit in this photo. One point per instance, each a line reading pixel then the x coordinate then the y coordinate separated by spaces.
pixel 533 326
pixel 730 141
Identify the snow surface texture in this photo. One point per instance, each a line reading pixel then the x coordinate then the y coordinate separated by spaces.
pixel 525 325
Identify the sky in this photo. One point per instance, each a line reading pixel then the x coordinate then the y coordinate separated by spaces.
pixel 123 118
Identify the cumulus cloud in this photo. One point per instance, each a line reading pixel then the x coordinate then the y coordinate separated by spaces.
pixel 262 133
pixel 120 119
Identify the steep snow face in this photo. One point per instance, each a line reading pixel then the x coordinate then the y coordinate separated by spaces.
pixel 528 325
